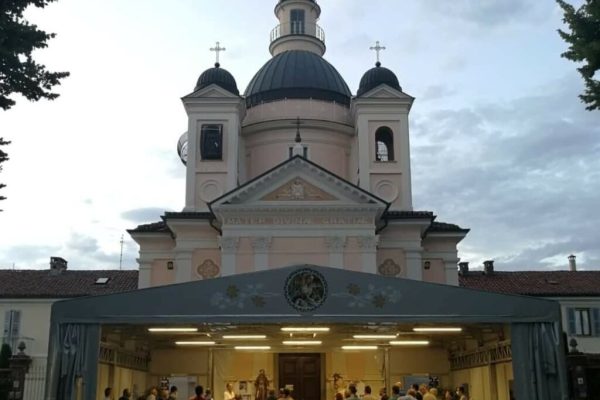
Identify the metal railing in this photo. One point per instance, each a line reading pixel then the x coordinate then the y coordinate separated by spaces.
pixel 297 28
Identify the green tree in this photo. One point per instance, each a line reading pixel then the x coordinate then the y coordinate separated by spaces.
pixel 19 73
pixel 3 157
pixel 584 45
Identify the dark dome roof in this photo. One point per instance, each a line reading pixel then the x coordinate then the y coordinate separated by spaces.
pixel 377 76
pixel 297 74
pixel 218 76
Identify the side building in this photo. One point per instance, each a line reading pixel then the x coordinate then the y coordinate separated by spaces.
pixel 26 298
pixel 578 293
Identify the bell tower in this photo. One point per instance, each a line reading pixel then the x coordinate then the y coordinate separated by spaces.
pixel 297 29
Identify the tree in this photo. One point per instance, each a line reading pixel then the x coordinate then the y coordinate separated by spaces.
pixel 3 157
pixel 19 73
pixel 584 45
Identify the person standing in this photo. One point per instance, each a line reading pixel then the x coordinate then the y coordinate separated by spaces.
pixel 395 392
pixel 368 395
pixel 352 390
pixel 153 393
pixel 431 395
pixel 460 392
pixel 173 393
pixel 108 393
pixel 229 393
pixel 126 395
pixel 199 390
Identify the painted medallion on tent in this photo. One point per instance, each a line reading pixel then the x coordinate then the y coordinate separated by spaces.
pixel 306 290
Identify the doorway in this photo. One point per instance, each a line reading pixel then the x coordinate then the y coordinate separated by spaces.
pixel 301 373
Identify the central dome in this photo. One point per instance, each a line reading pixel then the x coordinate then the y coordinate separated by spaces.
pixel 297 74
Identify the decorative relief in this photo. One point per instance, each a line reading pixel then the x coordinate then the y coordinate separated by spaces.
pixel 298 189
pixel 210 190
pixel 368 242
pixel 230 243
pixel 373 296
pixel 261 243
pixel 335 242
pixel 387 190
pixel 236 297
pixel 208 269
pixel 389 268
pixel 305 290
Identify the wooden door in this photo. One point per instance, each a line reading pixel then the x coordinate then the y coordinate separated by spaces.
pixel 303 371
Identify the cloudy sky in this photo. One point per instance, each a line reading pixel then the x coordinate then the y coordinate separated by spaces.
pixel 500 142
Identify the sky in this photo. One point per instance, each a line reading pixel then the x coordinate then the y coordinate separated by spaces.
pixel 500 142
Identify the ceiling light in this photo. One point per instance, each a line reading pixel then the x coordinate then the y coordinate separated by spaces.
pixel 252 347
pixel 302 342
pixel 304 329
pixel 375 336
pixel 409 342
pixel 244 337
pixel 359 347
pixel 196 343
pixel 437 330
pixel 172 330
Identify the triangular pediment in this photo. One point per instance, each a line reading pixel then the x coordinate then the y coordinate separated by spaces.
pixel 211 91
pixel 298 182
pixel 384 91
pixel 298 189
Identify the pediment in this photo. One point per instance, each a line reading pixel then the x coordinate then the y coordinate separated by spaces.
pixel 385 92
pixel 298 182
pixel 211 91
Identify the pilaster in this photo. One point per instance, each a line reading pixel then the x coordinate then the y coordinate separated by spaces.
pixel 229 246
pixel 261 246
pixel 183 266
pixel 336 246
pixel 414 269
pixel 451 272
pixel 145 274
pixel 368 249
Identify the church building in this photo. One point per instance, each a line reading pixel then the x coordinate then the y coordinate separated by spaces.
pixel 298 261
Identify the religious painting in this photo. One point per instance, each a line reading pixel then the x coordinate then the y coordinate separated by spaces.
pixel 306 289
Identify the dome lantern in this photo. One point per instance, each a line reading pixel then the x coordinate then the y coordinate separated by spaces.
pixel 298 28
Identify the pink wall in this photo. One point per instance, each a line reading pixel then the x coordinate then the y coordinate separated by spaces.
pixel 289 251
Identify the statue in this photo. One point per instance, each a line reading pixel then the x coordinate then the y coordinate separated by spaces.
pixel 261 385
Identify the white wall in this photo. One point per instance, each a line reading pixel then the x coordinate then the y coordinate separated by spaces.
pixel 35 323
pixel 586 344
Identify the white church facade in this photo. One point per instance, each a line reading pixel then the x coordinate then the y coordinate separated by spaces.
pixel 298 257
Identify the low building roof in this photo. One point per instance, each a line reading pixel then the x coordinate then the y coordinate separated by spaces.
pixel 535 283
pixel 49 284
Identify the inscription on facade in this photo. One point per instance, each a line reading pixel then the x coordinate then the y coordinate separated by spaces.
pixel 297 220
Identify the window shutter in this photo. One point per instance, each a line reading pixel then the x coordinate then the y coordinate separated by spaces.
pixel 571 320
pixel 6 327
pixel 16 325
pixel 596 321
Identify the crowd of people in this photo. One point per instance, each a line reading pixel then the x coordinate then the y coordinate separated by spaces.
pixel 155 393
pixel 416 392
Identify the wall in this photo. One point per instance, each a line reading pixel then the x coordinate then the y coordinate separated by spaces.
pixel 234 366
pixel 419 361
pixel 35 323
pixel 585 344
pixel 490 382
pixel 119 378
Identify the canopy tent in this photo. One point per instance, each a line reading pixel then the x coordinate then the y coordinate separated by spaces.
pixel 309 294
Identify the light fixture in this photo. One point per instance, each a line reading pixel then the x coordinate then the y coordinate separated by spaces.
pixel 304 329
pixel 359 347
pixel 252 347
pixel 374 336
pixel 409 342
pixel 244 337
pixel 302 342
pixel 172 330
pixel 438 329
pixel 196 343
pixel 170 265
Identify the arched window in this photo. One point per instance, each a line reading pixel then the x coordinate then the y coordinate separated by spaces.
pixel 384 144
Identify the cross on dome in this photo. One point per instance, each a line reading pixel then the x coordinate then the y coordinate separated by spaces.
pixel 217 49
pixel 378 48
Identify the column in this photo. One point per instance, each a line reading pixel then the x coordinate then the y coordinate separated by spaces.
pixel 414 269
pixel 368 249
pixel 336 246
pixel 261 246
pixel 229 246
pixel 183 266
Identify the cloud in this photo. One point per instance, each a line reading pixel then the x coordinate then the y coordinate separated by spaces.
pixel 522 174
pixel 488 13
pixel 28 256
pixel 143 215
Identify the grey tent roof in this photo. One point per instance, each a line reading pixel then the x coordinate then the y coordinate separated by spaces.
pixel 260 297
